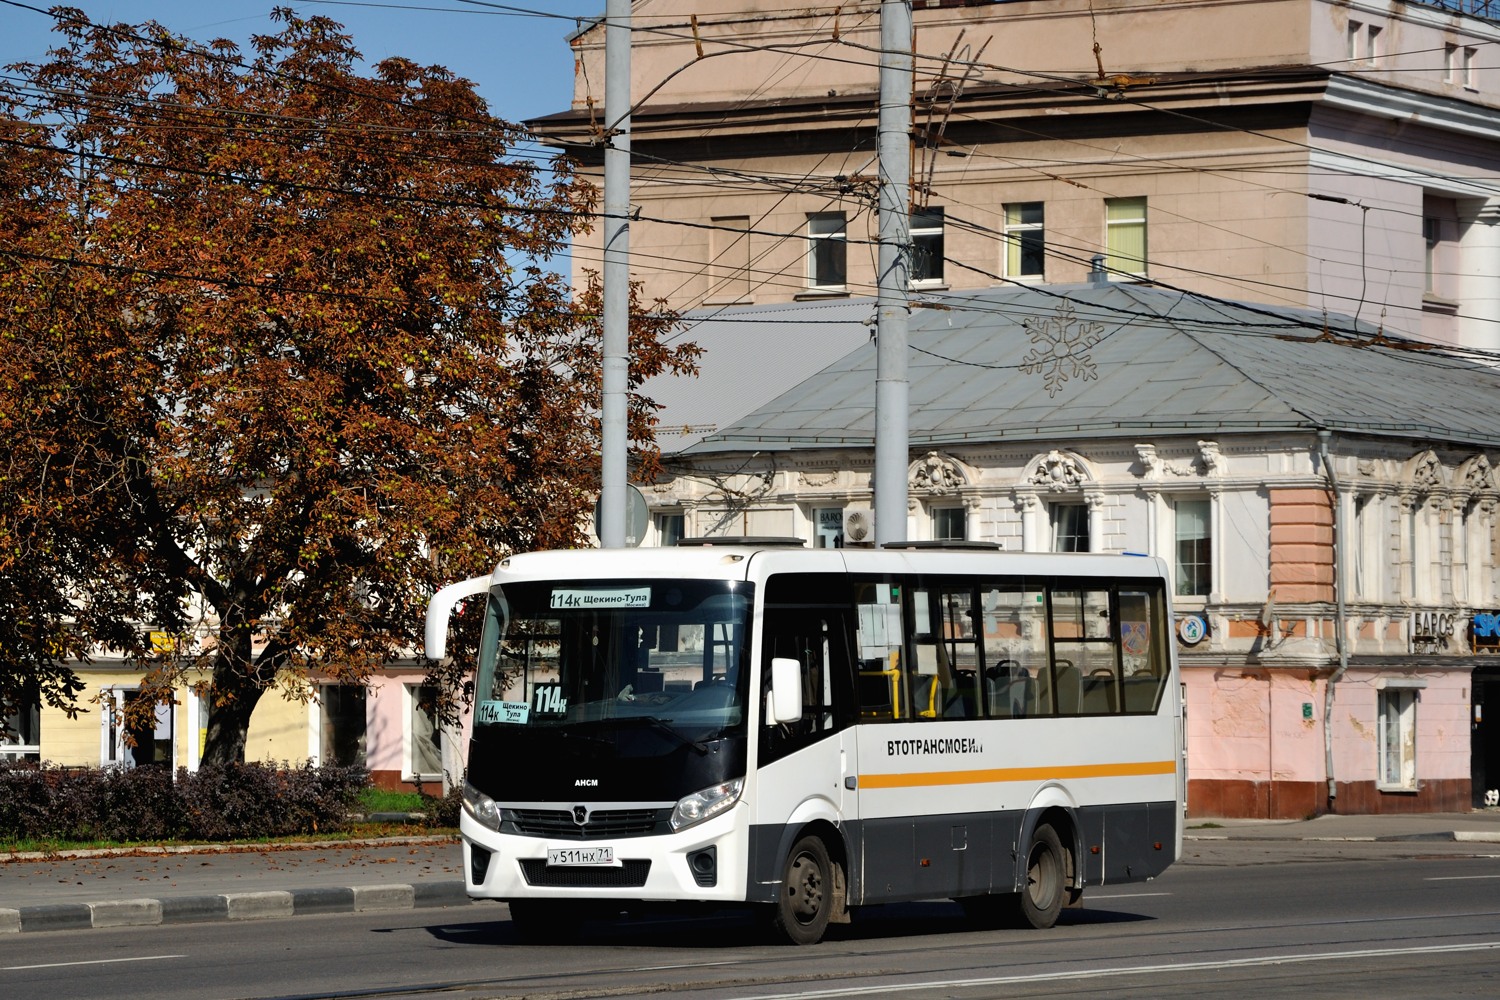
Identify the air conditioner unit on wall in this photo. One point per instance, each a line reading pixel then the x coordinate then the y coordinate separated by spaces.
pixel 859 525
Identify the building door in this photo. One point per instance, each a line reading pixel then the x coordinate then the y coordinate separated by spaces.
pixel 1484 725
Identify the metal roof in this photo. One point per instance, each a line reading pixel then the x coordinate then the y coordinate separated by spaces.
pixel 1093 361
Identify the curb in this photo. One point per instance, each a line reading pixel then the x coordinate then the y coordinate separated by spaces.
pixel 147 850
pixel 232 906
pixel 1449 837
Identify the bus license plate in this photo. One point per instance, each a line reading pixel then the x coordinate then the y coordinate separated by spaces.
pixel 575 857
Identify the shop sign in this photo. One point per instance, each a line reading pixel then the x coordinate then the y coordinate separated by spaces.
pixel 1432 631
pixel 1192 629
pixel 1484 632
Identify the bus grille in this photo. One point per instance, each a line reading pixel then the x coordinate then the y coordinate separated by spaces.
pixel 629 875
pixel 558 823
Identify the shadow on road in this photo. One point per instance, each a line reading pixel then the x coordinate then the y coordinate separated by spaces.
pixel 703 928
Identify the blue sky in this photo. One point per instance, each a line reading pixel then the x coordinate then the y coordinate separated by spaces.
pixel 515 53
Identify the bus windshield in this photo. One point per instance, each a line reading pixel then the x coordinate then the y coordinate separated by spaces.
pixel 669 655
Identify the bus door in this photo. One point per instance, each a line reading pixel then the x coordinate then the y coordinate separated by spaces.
pixel 807 768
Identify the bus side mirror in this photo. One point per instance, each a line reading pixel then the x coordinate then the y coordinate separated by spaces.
pixel 440 608
pixel 785 704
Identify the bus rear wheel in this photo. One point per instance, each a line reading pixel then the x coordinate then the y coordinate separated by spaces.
pixel 1042 895
pixel 805 903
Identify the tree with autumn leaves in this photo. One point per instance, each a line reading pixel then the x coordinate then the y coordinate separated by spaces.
pixel 280 353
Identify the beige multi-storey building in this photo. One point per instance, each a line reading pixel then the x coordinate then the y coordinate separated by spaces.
pixel 1290 198
pixel 1322 153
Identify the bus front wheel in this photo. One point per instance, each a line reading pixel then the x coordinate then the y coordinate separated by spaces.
pixel 1042 895
pixel 807 889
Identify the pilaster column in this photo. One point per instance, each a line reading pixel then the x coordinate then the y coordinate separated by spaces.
pixel 1031 510
pixel 972 526
pixel 1095 504
pixel 1479 278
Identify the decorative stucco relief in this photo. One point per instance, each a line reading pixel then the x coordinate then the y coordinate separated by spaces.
pixel 1476 475
pixel 817 479
pixel 1210 462
pixel 936 474
pixel 1058 471
pixel 1214 462
pixel 1423 472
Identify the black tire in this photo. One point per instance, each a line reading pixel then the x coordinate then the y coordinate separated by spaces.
pixel 1045 889
pixel 806 900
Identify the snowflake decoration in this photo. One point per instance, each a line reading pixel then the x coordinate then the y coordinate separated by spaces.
pixel 1059 348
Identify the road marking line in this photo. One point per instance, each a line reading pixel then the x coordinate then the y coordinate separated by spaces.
pixel 1090 897
pixel 1457 878
pixel 1233 963
pixel 686 965
pixel 96 961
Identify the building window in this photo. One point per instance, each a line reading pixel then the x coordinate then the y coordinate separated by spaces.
pixel 949 524
pixel 424 757
pixel 828 527
pixel 1432 235
pixel 1458 65
pixel 134 744
pixel 1194 549
pixel 21 731
pixel 1440 247
pixel 1366 42
pixel 1477 550
pixel 1025 241
pixel 729 262
pixel 1372 539
pixel 1070 527
pixel 827 250
pixel 927 246
pixel 1396 738
pixel 1125 235
pixel 670 529
pixel 342 737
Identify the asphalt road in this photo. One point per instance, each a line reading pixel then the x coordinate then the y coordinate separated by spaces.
pixel 1234 919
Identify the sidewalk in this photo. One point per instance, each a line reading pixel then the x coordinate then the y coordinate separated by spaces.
pixel 189 885
pixel 1481 826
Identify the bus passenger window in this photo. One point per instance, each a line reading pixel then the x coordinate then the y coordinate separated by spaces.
pixel 1141 652
pixel 944 685
pixel 1017 681
pixel 883 688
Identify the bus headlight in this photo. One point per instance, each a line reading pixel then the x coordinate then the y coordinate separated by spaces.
pixel 481 807
pixel 700 806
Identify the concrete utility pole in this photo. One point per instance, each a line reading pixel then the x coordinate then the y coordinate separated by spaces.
pixel 894 286
pixel 616 352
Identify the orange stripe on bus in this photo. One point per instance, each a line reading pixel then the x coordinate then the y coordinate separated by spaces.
pixel 922 778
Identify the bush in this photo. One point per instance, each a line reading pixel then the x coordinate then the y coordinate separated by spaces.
pixel 443 810
pixel 137 804
pixel 249 801
pixel 238 802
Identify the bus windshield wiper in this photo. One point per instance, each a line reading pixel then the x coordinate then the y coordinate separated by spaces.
pixel 569 734
pixel 661 726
